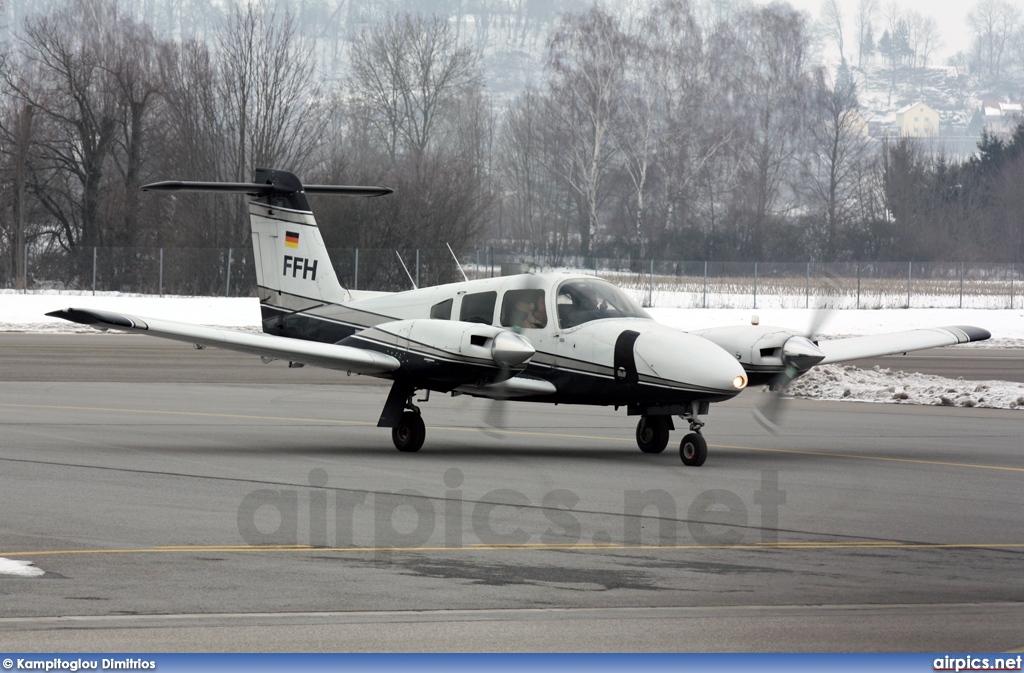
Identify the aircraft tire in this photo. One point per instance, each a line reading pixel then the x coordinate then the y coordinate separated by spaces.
pixel 410 432
pixel 652 433
pixel 693 450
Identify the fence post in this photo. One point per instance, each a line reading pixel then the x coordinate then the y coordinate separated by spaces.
pixel 705 283
pixel 24 272
pixel 910 266
pixel 755 284
pixel 227 284
pixel 961 284
pixel 94 270
pixel 477 272
pixel 355 278
pixel 1012 273
pixel 807 288
pixel 161 272
pixel 650 290
pixel 858 284
pixel 417 267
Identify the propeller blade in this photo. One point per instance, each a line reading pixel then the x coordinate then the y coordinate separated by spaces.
pixel 509 349
pixel 799 354
pixel 494 417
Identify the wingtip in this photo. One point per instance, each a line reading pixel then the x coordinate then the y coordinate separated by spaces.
pixel 91 317
pixel 972 333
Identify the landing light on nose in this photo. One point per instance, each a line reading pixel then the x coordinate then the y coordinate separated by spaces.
pixel 740 382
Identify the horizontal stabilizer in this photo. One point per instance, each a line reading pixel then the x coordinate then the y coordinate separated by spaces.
pixel 329 356
pixel 878 345
pixel 255 189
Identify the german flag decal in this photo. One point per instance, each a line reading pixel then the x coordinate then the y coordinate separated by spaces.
pixel 291 239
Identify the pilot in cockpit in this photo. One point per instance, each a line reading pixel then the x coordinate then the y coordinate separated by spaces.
pixel 525 309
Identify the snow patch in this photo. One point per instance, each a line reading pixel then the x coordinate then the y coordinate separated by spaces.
pixel 849 383
pixel 19 568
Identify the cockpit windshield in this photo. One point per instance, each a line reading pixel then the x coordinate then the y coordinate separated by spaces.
pixel 583 300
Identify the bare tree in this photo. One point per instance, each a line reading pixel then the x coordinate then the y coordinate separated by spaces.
pixel 409 70
pixel 927 39
pixel 832 22
pixel 64 78
pixel 585 57
pixel 136 76
pixel 994 23
pixel 268 94
pixel 866 11
pixel 832 166
pixel 269 89
pixel 767 81
pixel 16 135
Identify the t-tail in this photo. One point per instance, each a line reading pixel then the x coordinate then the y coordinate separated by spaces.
pixel 293 270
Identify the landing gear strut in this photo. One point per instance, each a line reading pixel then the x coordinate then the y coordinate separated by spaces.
pixel 693 450
pixel 652 433
pixel 403 417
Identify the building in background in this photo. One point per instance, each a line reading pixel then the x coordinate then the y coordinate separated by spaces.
pixel 917 120
pixel 1001 118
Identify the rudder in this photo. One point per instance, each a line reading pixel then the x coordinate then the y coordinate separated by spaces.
pixel 290 254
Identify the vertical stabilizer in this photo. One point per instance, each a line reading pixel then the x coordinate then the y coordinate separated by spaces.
pixel 291 258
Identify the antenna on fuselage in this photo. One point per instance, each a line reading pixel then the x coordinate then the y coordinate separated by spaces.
pixel 464 277
pixel 406 270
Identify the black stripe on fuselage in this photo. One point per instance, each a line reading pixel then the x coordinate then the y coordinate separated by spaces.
pixel 580 383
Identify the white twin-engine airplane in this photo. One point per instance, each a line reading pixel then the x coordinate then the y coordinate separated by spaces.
pixel 545 337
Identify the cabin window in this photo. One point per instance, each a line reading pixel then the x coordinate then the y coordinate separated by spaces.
pixel 524 308
pixel 478 307
pixel 441 310
pixel 583 300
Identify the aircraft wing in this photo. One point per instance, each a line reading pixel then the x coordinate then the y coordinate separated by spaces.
pixel 877 345
pixel 330 356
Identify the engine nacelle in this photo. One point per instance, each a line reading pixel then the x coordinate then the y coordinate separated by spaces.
pixel 766 351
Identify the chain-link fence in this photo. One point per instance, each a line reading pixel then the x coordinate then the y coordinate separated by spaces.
pixel 657 283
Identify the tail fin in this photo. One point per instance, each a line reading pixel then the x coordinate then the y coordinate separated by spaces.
pixel 290 255
pixel 289 251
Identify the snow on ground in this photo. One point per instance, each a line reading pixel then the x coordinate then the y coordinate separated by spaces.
pixel 25 313
pixel 19 568
pixel 845 382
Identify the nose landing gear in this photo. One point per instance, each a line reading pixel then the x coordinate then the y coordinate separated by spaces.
pixel 693 450
pixel 652 432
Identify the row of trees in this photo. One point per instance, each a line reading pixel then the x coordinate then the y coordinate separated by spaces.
pixel 653 134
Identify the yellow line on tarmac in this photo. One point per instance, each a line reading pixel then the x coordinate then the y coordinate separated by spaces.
pixel 524 433
pixel 526 547
pixel 294 419
pixel 200 414
pixel 941 463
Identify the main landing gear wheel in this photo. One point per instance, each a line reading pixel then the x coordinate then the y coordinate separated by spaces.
pixel 410 432
pixel 652 433
pixel 693 450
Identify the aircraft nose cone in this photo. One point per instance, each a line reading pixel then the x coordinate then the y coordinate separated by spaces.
pixel 511 350
pixel 689 361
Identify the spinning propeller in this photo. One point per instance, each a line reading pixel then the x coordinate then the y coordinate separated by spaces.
pixel 509 349
pixel 799 353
